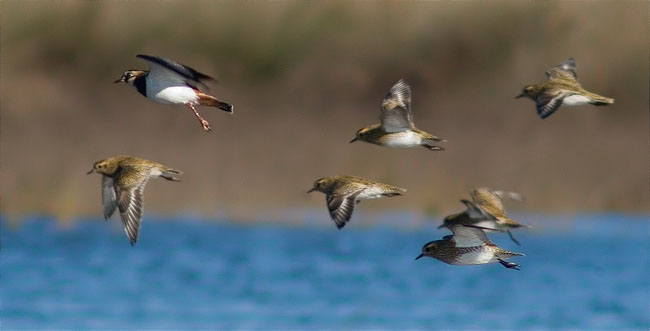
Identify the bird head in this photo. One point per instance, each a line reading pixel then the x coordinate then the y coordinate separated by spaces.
pixel 104 167
pixel 362 134
pixel 129 76
pixel 429 249
pixel 530 91
pixel 321 185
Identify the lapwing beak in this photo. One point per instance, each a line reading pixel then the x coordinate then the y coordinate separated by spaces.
pixel 353 140
pixel 118 81
pixel 521 95
pixel 419 256
pixel 91 171
pixel 442 226
pixel 312 190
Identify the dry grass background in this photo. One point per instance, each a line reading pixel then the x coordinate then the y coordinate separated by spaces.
pixel 303 77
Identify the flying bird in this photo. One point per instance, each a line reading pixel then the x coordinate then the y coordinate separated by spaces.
pixel 343 192
pixel 468 245
pixel 486 210
pixel 123 182
pixel 396 128
pixel 170 82
pixel 561 89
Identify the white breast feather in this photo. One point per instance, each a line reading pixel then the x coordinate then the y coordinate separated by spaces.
pixel 370 193
pixel 173 94
pixel 575 100
pixel 477 257
pixel 166 86
pixel 410 139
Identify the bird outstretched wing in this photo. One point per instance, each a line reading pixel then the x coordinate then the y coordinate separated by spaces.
pixel 548 103
pixel 174 71
pixel 488 202
pixel 341 207
pixel 565 71
pixel 473 211
pixel 509 195
pixel 109 196
pixel 469 236
pixel 396 108
pixel 130 203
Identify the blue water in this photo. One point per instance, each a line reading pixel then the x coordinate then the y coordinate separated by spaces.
pixel 590 273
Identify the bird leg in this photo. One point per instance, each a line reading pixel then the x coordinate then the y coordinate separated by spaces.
pixel 509 265
pixel 203 121
pixel 513 238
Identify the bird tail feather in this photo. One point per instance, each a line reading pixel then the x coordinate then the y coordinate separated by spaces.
pixel 210 101
pixel 394 191
pixel 602 101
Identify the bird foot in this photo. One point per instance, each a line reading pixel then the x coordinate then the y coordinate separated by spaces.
pixel 206 125
pixel 203 121
pixel 509 265
pixel 434 148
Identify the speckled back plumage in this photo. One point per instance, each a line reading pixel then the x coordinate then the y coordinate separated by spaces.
pixel 468 245
pixel 123 182
pixel 561 88
pixel 343 192
pixel 397 128
pixel 490 202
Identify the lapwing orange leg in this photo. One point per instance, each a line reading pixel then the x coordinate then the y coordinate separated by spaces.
pixel 204 123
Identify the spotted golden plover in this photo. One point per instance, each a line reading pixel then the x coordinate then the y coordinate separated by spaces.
pixel 396 128
pixel 468 245
pixel 561 89
pixel 342 192
pixel 123 181
pixel 486 210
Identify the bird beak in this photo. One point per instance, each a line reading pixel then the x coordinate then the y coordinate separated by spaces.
pixel 521 95
pixel 353 140
pixel 419 256
pixel 312 190
pixel 91 171
pixel 441 226
pixel 119 80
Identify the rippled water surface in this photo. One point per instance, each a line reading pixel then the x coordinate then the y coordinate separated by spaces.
pixel 592 272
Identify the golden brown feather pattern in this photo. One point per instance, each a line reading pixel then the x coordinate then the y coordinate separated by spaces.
pixel 343 192
pixel 397 128
pixel 561 89
pixel 486 210
pixel 123 182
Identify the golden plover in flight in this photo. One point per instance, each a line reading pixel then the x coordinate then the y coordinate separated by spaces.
pixel 486 211
pixel 342 192
pixel 123 181
pixel 561 89
pixel 468 245
pixel 396 128
pixel 173 83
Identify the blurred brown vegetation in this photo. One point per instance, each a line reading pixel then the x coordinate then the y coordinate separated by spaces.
pixel 303 77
